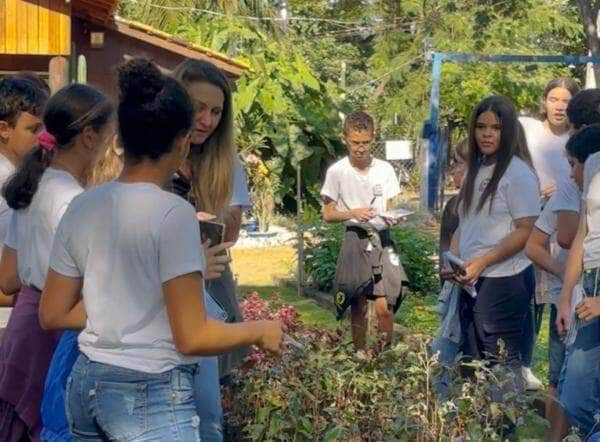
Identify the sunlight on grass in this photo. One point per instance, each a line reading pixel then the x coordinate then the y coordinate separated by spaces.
pixel 310 312
pixel 262 267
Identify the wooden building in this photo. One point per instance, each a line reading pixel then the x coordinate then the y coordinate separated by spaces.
pixel 50 36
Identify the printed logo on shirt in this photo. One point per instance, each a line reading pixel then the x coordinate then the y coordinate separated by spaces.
pixel 340 298
pixel 483 185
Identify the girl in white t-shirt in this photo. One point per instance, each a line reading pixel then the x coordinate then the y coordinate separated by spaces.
pixel 546 138
pixel 132 251
pixel 78 121
pixel 497 206
pixel 579 382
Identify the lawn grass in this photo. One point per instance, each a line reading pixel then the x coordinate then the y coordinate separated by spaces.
pixel 260 270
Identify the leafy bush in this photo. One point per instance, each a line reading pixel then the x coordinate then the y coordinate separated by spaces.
pixel 326 391
pixel 415 248
pixel 320 254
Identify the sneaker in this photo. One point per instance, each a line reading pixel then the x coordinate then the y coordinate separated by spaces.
pixel 531 382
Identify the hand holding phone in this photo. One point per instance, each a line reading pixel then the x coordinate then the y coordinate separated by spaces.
pixel 455 263
pixel 213 232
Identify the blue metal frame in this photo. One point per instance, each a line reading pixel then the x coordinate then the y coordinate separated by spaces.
pixel 430 130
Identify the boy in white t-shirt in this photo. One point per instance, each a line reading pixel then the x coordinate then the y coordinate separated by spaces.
pixel 357 190
pixel 579 382
pixel 21 106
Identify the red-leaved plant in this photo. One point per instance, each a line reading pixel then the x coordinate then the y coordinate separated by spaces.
pixel 323 390
pixel 254 308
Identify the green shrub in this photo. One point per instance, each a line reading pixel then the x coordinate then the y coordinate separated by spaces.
pixel 328 392
pixel 320 254
pixel 415 247
pixel 416 250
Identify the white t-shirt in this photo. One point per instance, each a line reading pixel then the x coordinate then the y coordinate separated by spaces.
pixel 547 152
pixel 125 241
pixel 240 195
pixel 353 190
pixel 517 196
pixel 32 230
pixel 591 196
pixel 548 223
pixel 568 197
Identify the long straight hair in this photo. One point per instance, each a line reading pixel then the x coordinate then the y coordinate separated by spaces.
pixel 563 82
pixel 109 167
pixel 212 161
pixel 511 144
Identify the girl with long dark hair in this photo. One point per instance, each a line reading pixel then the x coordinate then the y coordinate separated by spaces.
pixel 497 206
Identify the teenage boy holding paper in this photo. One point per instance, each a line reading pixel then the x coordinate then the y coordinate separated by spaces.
pixel 358 190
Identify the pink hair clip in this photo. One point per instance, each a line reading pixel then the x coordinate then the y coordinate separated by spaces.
pixel 47 140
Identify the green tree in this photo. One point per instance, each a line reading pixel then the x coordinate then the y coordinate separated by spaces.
pixel 401 98
pixel 334 56
pixel 588 13
pixel 284 111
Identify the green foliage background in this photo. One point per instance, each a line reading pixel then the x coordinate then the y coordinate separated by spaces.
pixel 416 249
pixel 289 105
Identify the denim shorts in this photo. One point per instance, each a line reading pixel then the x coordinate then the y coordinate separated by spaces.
pixel 579 384
pixel 108 402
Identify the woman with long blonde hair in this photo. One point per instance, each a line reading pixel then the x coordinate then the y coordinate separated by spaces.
pixel 211 176
pixel 213 180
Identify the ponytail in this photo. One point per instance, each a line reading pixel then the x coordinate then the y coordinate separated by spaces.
pixel 21 187
pixel 67 114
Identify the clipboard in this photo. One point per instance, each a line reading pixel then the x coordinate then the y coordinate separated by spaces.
pixel 396 213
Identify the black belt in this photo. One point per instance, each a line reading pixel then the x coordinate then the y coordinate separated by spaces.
pixel 384 235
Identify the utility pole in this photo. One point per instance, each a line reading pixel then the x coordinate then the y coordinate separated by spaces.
pixel 343 76
pixel 282 12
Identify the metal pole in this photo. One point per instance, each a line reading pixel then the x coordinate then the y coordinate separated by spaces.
pixel 300 233
pixel 434 108
pixel 431 126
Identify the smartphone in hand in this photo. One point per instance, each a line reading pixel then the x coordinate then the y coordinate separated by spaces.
pixel 455 263
pixel 213 231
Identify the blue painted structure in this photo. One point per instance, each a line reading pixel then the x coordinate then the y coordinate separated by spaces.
pixel 430 129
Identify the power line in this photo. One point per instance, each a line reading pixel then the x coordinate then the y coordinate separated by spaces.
pixel 390 72
pixel 361 30
pixel 246 17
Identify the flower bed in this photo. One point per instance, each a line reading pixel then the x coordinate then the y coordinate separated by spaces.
pixel 327 391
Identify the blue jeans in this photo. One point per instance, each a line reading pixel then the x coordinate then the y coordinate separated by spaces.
pixel 207 388
pixel 54 419
pixel 579 384
pixel 108 402
pixel 556 350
